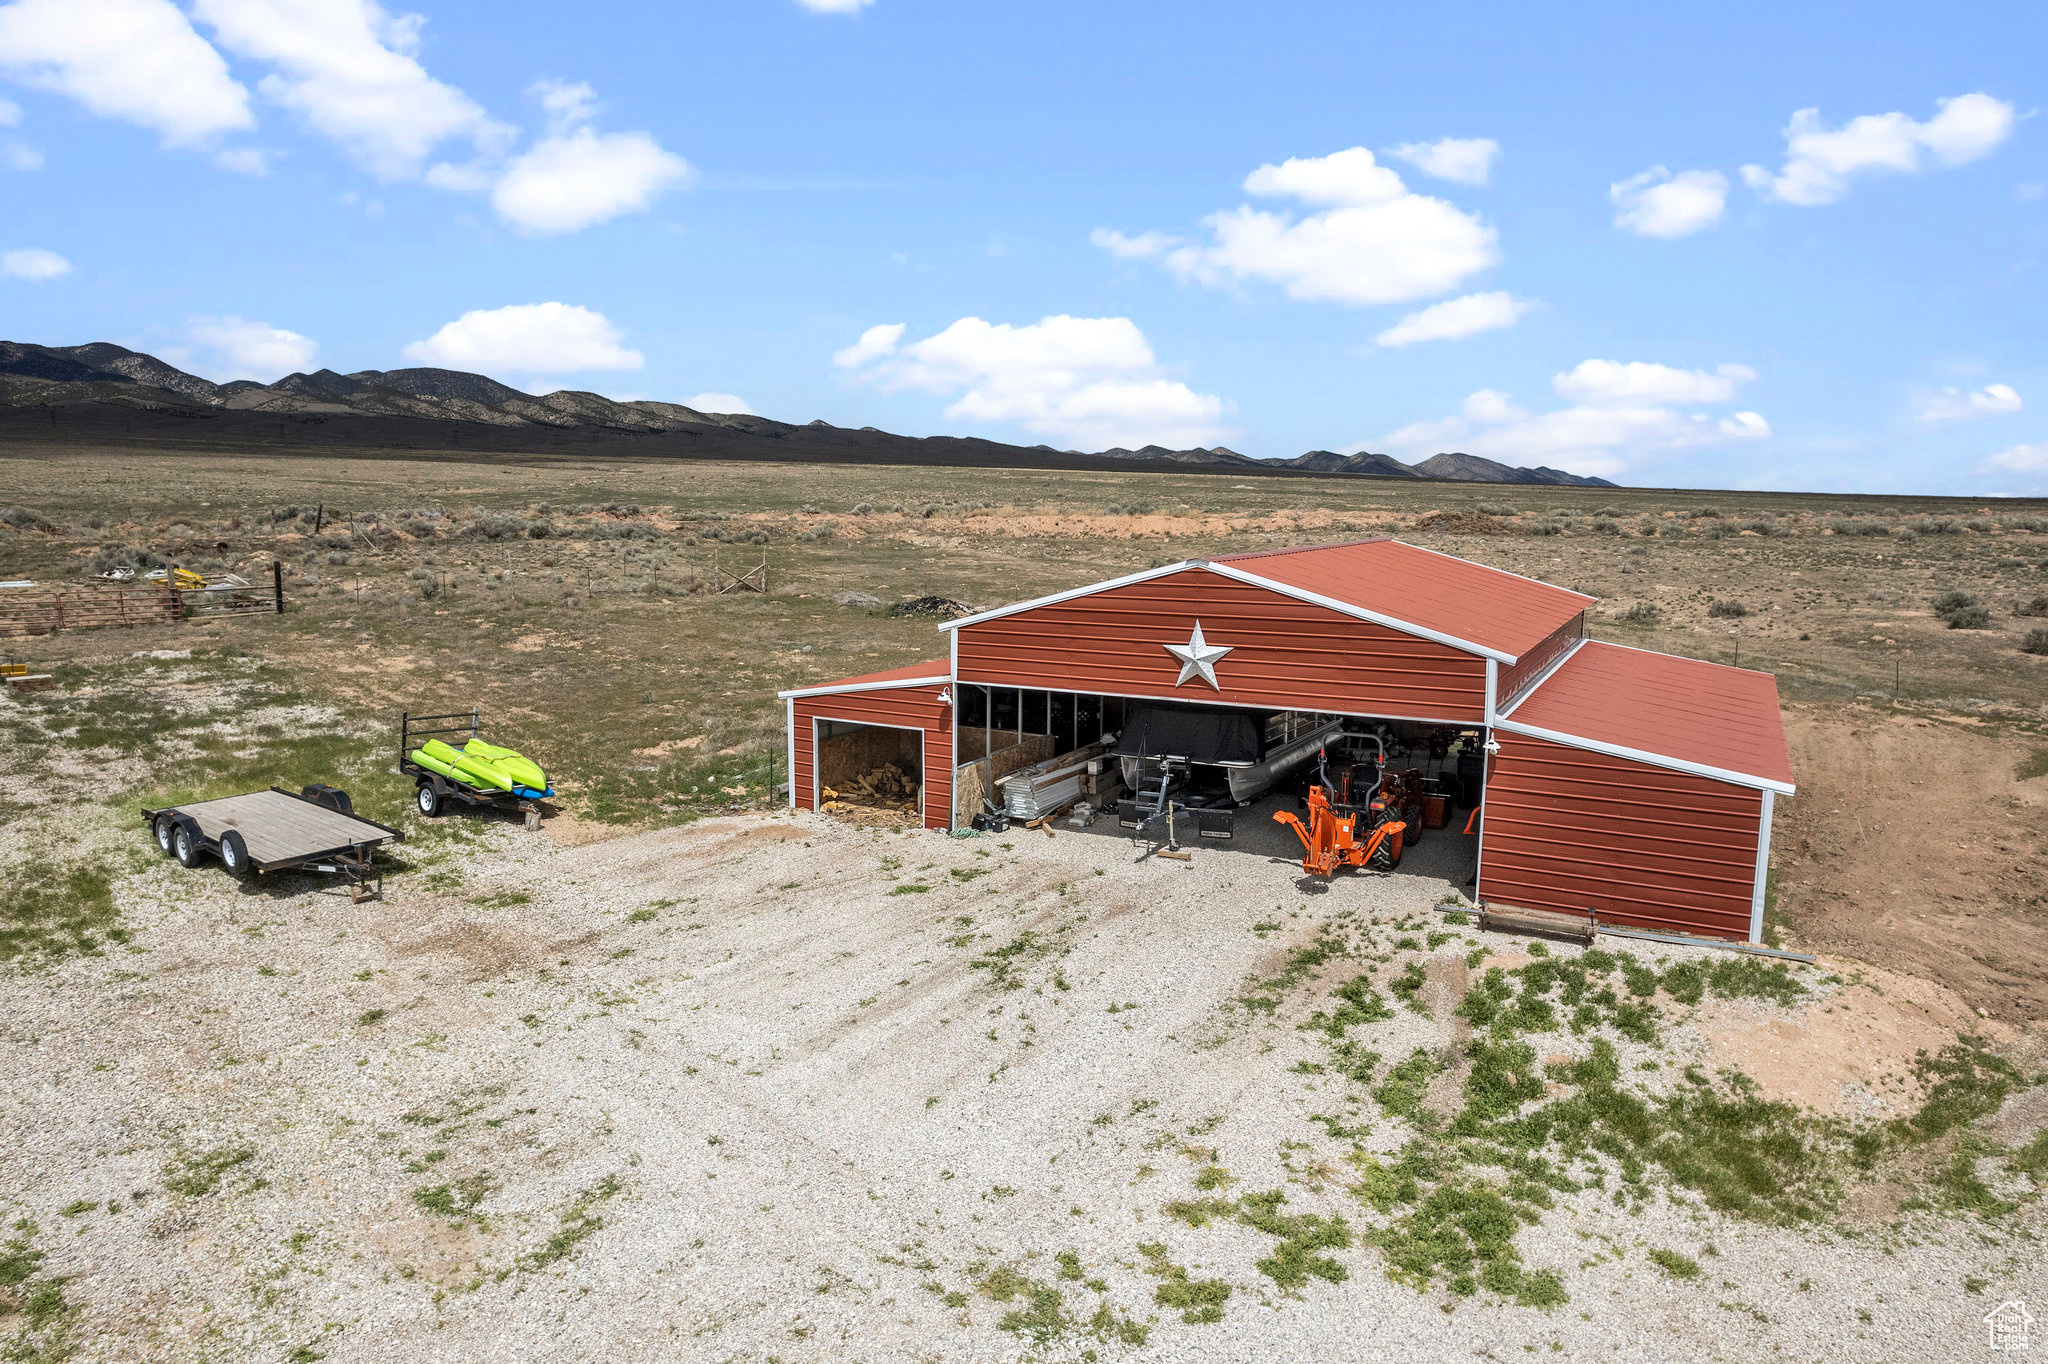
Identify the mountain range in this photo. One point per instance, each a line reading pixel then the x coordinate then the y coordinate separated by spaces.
pixel 89 391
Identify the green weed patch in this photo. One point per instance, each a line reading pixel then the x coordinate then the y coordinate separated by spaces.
pixel 1199 1301
pixel 580 1222
pixel 195 1176
pixel 50 910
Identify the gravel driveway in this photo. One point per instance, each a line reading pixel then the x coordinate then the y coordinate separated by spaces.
pixel 778 1088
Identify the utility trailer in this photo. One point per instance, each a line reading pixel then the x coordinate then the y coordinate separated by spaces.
pixel 314 829
pixel 434 791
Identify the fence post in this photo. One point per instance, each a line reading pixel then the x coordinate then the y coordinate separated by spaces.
pixel 277 584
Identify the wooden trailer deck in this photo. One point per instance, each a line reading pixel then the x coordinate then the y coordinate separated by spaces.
pixel 282 829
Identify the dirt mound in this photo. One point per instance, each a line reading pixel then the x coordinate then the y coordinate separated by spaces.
pixel 931 608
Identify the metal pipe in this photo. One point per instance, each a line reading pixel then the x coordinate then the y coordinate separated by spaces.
pixel 1688 940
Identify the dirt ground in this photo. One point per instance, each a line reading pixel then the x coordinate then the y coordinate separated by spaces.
pixel 1913 845
pixel 727 1092
pixel 757 1087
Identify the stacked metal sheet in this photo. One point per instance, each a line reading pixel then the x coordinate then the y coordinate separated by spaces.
pixel 1048 787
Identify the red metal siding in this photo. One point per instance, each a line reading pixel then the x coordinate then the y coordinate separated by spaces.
pixel 1645 846
pixel 902 707
pixel 1285 654
pixel 1516 679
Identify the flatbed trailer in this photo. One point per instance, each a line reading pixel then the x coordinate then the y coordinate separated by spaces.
pixel 433 791
pixel 314 829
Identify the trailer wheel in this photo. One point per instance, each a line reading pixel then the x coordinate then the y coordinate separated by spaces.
pixel 234 853
pixel 185 844
pixel 162 829
pixel 429 800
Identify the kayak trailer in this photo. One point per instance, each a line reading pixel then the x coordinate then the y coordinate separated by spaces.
pixel 434 790
pixel 315 829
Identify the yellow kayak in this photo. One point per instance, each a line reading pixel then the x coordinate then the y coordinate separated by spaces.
pixel 465 767
pixel 520 768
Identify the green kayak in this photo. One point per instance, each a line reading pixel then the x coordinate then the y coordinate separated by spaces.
pixel 520 768
pixel 463 767
pixel 432 763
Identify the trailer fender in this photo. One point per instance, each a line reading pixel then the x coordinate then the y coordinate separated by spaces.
pixel 187 844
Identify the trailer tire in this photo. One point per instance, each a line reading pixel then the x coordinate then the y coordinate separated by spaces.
pixel 185 843
pixel 234 853
pixel 162 829
pixel 429 800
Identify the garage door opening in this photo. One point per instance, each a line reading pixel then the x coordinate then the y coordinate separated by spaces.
pixel 869 771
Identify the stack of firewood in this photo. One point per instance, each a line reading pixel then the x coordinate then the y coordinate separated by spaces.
pixel 888 786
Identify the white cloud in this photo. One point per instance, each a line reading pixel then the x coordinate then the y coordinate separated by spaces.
pixel 20 156
pixel 1608 382
pixel 835 6
pixel 1953 404
pixel 253 350
pixel 135 60
pixel 10 114
pixel 1144 246
pixel 1092 382
pixel 528 338
pixel 1820 161
pixel 572 180
pixel 1619 413
pixel 1373 242
pixel 350 70
pixel 566 103
pixel 243 160
pixel 728 403
pixel 1457 318
pixel 1466 160
pixel 33 263
pixel 2024 459
pixel 874 343
pixel 1660 204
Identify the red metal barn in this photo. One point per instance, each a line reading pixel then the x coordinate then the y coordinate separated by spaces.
pixel 1633 785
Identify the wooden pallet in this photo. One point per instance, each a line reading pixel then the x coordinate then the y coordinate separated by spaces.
pixel 1510 919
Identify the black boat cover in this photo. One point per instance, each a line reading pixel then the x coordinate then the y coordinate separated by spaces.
pixel 1202 734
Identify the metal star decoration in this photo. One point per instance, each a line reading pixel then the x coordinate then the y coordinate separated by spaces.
pixel 1197 658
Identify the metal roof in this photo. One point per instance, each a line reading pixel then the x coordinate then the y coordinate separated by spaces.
pixel 1438 596
pixel 1444 595
pixel 1681 713
pixel 910 675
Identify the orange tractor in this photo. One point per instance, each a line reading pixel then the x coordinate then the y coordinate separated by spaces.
pixel 1331 839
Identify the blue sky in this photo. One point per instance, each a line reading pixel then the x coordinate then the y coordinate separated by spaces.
pixel 1610 240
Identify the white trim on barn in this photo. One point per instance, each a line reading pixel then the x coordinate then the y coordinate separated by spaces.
pixel 1091 589
pixel 1236 574
pixel 1763 870
pixel 1356 612
pixel 863 686
pixel 1548 672
pixel 1644 756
